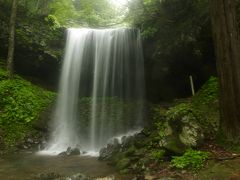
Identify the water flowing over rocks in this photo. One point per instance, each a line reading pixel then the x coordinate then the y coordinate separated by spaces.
pixel 137 153
pixel 122 144
pixel 70 152
pixel 101 89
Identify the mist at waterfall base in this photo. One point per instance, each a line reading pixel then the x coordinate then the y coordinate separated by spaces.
pixel 101 89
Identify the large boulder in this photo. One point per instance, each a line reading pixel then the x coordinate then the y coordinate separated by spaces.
pixel 180 134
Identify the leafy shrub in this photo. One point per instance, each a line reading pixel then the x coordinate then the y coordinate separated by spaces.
pixel 3 74
pixel 20 105
pixel 52 21
pixel 157 154
pixel 190 159
pixel 181 110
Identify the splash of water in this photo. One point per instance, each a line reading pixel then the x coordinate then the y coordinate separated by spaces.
pixel 101 89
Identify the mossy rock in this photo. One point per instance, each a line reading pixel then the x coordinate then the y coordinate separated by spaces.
pixel 173 145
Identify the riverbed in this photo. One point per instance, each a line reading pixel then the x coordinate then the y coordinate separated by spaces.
pixel 24 166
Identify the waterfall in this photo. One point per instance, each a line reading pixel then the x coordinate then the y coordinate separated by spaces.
pixel 101 88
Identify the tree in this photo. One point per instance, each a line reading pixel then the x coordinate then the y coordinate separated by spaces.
pixel 92 13
pixel 11 41
pixel 227 49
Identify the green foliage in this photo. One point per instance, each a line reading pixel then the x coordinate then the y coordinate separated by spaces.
pixel 123 164
pixel 63 10
pixel 157 154
pixel 52 21
pixel 202 108
pixel 184 109
pixel 208 93
pixel 178 34
pixel 191 159
pixel 231 145
pixel 3 74
pixel 206 104
pixel 174 21
pixel 149 32
pixel 20 105
pixel 92 13
pixel 38 36
pixel 41 35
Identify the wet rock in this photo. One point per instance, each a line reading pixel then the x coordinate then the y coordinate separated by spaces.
pixel 42 145
pixel 70 152
pixel 73 152
pixel 63 153
pixel 106 178
pixel 29 140
pixel 192 134
pixel 48 176
pixel 79 176
pixel 108 152
pixel 127 142
pixel 25 147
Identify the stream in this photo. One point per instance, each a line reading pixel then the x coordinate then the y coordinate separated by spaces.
pixel 26 166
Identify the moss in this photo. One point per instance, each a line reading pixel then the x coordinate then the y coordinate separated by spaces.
pixel 123 164
pixel 174 145
pixel 223 170
pixel 226 143
pixel 202 109
pixel 20 106
pixel 130 151
pixel 157 154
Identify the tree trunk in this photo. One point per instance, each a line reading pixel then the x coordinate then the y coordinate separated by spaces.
pixel 227 49
pixel 11 41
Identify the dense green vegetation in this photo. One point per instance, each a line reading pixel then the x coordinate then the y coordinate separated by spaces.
pixel 190 159
pixel 173 139
pixel 177 42
pixel 39 42
pixel 20 106
pixel 203 108
pixel 95 13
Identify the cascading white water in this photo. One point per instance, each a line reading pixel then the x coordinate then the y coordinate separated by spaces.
pixel 101 89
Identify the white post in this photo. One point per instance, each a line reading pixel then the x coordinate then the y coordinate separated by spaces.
pixel 192 85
